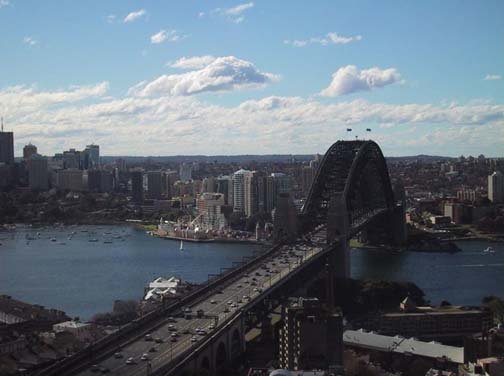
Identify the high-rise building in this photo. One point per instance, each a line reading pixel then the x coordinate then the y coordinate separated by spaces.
pixel 6 147
pixel 254 193
pixel 69 179
pixel 209 184
pixel 28 151
pixel 137 186
pixel 72 159
pixel 225 186
pixel 311 336
pixel 170 177
pixel 496 187
pixel 209 207
pixel 154 184
pixel 239 190
pixel 185 172
pixel 38 174
pixel 276 184
pixel 93 156
pixel 106 181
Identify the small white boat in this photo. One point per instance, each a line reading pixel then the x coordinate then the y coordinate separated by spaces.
pixel 181 245
pixel 488 250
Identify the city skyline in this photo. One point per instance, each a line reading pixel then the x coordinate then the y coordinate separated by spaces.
pixel 213 78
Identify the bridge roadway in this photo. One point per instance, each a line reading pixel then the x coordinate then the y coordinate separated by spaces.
pixel 218 308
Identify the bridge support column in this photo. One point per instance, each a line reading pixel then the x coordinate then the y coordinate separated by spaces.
pixel 337 234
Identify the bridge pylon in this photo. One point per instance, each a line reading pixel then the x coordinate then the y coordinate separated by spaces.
pixel 337 235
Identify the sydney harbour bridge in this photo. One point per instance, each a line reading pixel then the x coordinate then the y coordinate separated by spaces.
pixel 351 194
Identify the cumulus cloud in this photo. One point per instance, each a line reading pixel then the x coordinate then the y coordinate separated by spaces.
pixel 492 77
pixel 133 16
pixel 350 79
pixel 167 124
pixel 201 14
pixel 220 74
pixel 30 41
pixel 234 14
pixel 166 36
pixel 4 3
pixel 329 38
pixel 195 62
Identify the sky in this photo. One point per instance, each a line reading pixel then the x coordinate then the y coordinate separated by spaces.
pixel 261 77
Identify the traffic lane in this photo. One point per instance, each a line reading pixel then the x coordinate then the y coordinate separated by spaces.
pixel 229 292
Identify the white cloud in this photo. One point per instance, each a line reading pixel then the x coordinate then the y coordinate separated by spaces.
pixel 166 35
pixel 201 14
pixel 234 14
pixel 492 77
pixel 221 74
pixel 30 41
pixel 111 18
pixel 349 79
pixel 4 3
pixel 133 16
pixel 329 38
pixel 169 125
pixel 195 62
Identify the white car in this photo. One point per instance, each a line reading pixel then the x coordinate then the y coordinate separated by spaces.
pixel 194 339
pixel 144 357
pixel 130 361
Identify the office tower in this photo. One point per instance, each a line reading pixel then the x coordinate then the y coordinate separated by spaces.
pixel 137 186
pixel 106 181
pixel 93 156
pixel 239 190
pixel 170 178
pixel 311 336
pixel 209 184
pixel 6 147
pixel 185 172
pixel 251 193
pixel 72 159
pixel 38 174
pixel 224 185
pixel 154 184
pixel 209 208
pixel 276 184
pixel 496 187
pixel 94 180
pixel 69 179
pixel 28 151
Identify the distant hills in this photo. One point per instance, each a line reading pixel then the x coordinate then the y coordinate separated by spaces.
pixel 282 158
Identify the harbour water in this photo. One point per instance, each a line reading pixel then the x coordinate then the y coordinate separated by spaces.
pixel 61 268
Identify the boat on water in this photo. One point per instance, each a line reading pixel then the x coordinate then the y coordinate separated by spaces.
pixel 92 240
pixel 181 245
pixel 53 239
pixel 107 242
pixel 489 250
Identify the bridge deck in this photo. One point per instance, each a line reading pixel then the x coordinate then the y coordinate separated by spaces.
pixel 254 284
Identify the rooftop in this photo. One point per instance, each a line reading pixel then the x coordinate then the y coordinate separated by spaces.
pixel 401 345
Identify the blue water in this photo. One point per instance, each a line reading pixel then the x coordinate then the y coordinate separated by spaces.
pixel 83 278
pixel 461 278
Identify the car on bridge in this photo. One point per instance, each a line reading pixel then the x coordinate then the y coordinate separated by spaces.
pixel 130 361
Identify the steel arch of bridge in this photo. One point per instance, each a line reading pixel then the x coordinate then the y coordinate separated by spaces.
pixel 356 172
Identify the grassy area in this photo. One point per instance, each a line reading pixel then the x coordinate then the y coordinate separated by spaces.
pixel 150 227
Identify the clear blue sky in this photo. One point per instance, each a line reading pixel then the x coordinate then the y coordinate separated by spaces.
pixel 267 76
